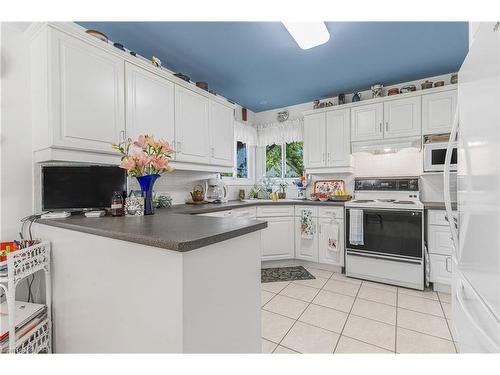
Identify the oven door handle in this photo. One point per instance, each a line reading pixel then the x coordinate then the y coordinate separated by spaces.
pixel 395 259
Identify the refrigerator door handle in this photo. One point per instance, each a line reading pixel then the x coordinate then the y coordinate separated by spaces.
pixel 459 294
pixel 446 182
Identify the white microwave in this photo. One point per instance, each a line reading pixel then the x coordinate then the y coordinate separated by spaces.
pixel 435 154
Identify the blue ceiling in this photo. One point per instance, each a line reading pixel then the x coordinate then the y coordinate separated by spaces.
pixel 259 65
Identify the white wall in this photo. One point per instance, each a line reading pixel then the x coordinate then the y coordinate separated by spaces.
pixel 15 131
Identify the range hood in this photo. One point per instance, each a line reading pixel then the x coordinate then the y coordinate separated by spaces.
pixel 386 146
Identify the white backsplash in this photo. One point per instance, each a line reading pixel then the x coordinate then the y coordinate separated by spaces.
pixel 403 163
pixel 407 162
pixel 178 184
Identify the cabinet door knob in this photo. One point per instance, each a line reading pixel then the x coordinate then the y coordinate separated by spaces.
pixel 179 148
pixel 380 126
pixel 386 126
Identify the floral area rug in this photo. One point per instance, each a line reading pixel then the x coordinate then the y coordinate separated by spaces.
pixel 284 274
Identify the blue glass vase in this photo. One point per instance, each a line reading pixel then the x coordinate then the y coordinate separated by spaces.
pixel 147 183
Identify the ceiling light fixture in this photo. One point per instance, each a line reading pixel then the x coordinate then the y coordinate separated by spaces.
pixel 308 34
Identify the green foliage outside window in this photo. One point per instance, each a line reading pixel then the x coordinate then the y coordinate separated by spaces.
pixel 285 163
pixel 273 161
pixel 294 160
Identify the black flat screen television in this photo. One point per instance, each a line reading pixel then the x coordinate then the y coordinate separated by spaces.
pixel 80 187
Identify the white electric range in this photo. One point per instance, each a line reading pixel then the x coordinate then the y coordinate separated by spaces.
pixel 387 243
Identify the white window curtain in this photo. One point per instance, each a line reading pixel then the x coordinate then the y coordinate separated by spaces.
pixel 245 133
pixel 280 132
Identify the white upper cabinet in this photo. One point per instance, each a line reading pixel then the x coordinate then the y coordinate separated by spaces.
pixel 367 122
pixel 327 140
pixel 338 138
pixel 314 140
pixel 87 95
pixel 221 134
pixel 191 126
pixel 402 118
pixel 438 110
pixel 150 104
pixel 85 87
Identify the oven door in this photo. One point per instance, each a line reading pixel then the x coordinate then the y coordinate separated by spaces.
pixel 389 234
pixel 434 155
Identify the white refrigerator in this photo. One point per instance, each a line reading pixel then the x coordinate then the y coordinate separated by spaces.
pixel 476 231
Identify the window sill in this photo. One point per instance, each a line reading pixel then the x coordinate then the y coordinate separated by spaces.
pixel 231 181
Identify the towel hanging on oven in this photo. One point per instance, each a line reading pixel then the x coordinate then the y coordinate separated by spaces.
pixel 356 227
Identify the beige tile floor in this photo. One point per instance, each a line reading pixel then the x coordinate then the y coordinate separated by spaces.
pixel 336 314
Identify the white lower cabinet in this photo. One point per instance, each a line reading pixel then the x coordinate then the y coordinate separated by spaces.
pixel 440 269
pixel 440 246
pixel 322 247
pixel 277 239
pixel 245 213
pixel 329 228
pixel 305 248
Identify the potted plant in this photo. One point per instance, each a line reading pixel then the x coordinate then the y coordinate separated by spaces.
pixel 283 185
pixel 145 159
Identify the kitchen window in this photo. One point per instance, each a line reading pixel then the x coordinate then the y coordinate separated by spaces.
pixel 285 160
pixel 242 171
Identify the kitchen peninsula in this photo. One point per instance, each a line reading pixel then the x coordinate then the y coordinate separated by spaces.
pixel 169 282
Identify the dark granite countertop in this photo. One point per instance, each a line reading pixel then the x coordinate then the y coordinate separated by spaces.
pixel 176 228
pixel 438 205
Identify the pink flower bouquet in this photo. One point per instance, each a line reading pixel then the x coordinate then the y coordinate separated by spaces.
pixel 145 156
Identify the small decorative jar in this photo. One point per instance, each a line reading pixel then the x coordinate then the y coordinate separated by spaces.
pixel 426 85
pixel 377 90
pixel 454 78
pixel 393 91
pixel 356 97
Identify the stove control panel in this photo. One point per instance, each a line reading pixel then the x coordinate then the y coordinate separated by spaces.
pixel 389 184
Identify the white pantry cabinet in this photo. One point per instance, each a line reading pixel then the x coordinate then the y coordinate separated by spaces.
pixel 438 110
pixel 78 94
pixel 402 117
pixel 314 140
pixel 221 125
pixel 327 140
pixel 367 122
pixel 191 126
pixel 277 240
pixel 150 104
